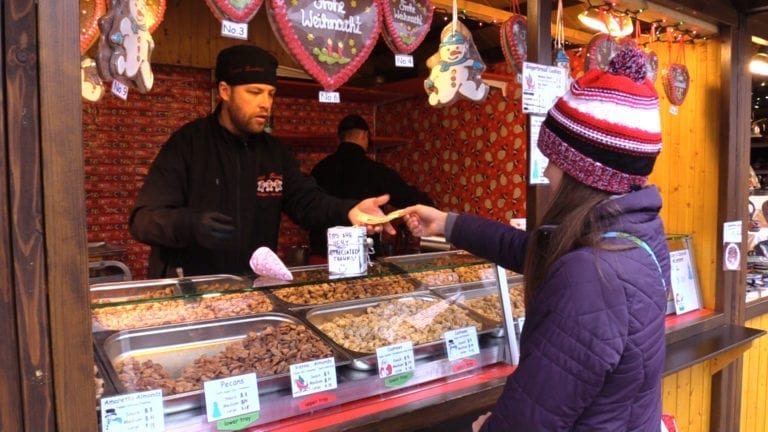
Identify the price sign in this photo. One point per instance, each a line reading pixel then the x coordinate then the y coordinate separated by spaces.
pixel 395 359
pixel 135 412
pixel 329 97
pixel 461 343
pixel 234 30
pixel 313 376
pixel 230 397
pixel 404 60
pixel 119 89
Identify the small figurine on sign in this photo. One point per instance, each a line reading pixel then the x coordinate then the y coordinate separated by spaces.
pixel 455 69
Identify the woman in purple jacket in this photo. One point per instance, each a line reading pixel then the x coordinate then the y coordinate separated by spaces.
pixel 596 271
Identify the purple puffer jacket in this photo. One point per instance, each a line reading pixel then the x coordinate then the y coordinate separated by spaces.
pixel 592 347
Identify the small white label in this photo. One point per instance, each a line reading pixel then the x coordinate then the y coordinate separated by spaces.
pixel 461 343
pixel 139 412
pixel 404 60
pixel 673 109
pixel 119 89
pixel 234 30
pixel 313 376
pixel 329 97
pixel 230 397
pixel 395 359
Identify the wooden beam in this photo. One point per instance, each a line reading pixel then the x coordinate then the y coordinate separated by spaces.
pixel 491 14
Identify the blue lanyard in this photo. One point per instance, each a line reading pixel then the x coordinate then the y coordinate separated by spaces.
pixel 643 245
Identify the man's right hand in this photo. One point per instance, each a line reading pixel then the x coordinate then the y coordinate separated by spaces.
pixel 214 230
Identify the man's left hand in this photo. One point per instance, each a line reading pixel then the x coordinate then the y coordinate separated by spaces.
pixel 371 206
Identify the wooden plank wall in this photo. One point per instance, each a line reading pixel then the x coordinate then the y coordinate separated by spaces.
pixel 686 395
pixel 754 392
pixel 687 171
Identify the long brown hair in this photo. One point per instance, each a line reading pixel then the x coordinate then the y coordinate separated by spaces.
pixel 570 222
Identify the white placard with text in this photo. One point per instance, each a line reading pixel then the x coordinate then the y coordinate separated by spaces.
pixel 134 412
pixel 395 359
pixel 313 376
pixel 230 397
pixel 461 343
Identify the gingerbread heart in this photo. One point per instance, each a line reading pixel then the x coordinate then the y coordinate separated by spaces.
pixel 90 12
pixel 329 39
pixel 240 11
pixel 514 45
pixel 155 12
pixel 406 23
pixel 676 81
pixel 601 48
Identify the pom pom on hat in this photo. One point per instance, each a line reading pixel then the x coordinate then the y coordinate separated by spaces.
pixel 605 131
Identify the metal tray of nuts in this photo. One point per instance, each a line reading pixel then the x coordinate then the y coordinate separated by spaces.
pixel 178 358
pixel 130 291
pixel 359 327
pixel 341 290
pixel 164 311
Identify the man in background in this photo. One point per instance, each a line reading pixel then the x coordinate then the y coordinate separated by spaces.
pixel 349 173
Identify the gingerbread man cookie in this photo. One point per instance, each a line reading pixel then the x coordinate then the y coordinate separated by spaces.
pixel 455 69
pixel 126 45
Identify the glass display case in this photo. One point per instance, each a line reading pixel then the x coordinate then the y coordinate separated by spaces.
pixel 176 334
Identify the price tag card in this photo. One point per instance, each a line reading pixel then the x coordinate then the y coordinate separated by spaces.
pixel 395 359
pixel 234 30
pixel 230 397
pixel 404 60
pixel 313 376
pixel 329 97
pixel 461 343
pixel 135 412
pixel 119 89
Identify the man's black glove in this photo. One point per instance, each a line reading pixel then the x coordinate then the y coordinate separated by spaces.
pixel 214 230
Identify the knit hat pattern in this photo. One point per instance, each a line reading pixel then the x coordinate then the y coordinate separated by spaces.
pixel 605 131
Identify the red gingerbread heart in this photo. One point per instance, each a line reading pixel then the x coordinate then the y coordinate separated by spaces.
pixel 651 64
pixel 90 12
pixel 676 81
pixel 600 50
pixel 329 39
pixel 406 23
pixel 514 43
pixel 240 11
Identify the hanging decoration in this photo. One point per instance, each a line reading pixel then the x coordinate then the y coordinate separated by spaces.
pixel 600 49
pixel 330 40
pixel 126 45
pixel 560 57
pixel 651 58
pixel 239 11
pixel 406 23
pixel 91 87
pixel 675 77
pixel 90 12
pixel 514 38
pixel 456 68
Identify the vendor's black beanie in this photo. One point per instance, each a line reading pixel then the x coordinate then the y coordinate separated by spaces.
pixel 246 64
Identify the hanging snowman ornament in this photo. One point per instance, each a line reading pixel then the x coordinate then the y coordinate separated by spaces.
pixel 456 69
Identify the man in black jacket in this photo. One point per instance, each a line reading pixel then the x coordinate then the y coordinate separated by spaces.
pixel 348 173
pixel 218 186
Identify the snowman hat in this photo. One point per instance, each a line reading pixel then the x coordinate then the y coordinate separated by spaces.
pixel 453 38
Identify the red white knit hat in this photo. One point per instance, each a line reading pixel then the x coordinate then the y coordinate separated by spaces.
pixel 606 130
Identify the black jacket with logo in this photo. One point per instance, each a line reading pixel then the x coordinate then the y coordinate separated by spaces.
pixel 203 167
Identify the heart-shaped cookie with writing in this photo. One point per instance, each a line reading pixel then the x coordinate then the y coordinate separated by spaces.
pixel 90 12
pixel 600 50
pixel 676 81
pixel 328 39
pixel 406 23
pixel 514 41
pixel 240 11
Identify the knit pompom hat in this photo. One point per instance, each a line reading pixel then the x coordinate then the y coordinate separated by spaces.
pixel 606 130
